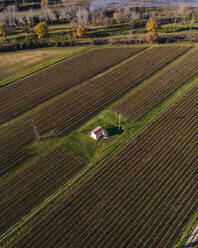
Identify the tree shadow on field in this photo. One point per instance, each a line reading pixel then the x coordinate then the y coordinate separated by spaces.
pixel 112 131
pixel 192 244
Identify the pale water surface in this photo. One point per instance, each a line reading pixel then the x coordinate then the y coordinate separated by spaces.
pixel 99 4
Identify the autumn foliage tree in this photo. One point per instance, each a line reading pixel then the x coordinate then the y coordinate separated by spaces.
pixel 152 25
pixel 3 30
pixel 151 37
pixel 41 30
pixel 81 31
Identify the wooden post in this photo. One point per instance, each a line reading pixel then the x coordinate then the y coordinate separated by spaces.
pixel 119 122
pixel 36 133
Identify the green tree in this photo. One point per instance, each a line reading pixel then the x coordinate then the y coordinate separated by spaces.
pixel 152 25
pixel 41 30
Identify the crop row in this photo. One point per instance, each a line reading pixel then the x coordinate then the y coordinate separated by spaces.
pixel 140 197
pixel 105 89
pixel 77 104
pixel 23 191
pixel 26 93
pixel 157 89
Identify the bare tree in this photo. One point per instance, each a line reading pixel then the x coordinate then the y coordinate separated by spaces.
pixel 183 12
pixel 36 133
pixel 8 15
pixel 74 5
pixel 192 22
pixel 24 21
pixel 33 17
pixel 127 14
pixel 101 17
pixel 82 15
pixel 95 17
pixel 56 10
pixel 135 16
pixel 175 17
pixel 67 12
pixel 119 16
pixel 47 14
pixel 69 8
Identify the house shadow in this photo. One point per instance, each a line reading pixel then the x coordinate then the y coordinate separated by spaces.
pixel 112 131
pixel 192 244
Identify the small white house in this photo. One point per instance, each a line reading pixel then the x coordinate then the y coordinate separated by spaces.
pixel 99 132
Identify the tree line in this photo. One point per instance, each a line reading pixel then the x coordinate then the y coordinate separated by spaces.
pixel 79 14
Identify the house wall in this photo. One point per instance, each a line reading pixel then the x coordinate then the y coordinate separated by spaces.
pixel 93 136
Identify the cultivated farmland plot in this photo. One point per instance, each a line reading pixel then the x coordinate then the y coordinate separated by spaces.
pixel 157 89
pixel 23 191
pixel 67 110
pixel 24 94
pixel 140 197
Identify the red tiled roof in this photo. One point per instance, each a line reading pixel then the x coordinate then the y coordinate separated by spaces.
pixel 99 130
pixel 96 129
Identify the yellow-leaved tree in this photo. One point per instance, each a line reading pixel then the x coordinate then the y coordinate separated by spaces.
pixel 81 31
pixel 41 30
pixel 152 25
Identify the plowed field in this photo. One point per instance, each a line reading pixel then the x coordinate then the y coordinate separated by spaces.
pixel 140 197
pixel 26 93
pixel 23 191
pixel 76 105
pixel 156 90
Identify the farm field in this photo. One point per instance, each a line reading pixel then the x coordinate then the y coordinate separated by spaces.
pixel 162 154
pixel 69 109
pixel 15 63
pixel 34 183
pixel 28 92
pixel 158 88
pixel 140 197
